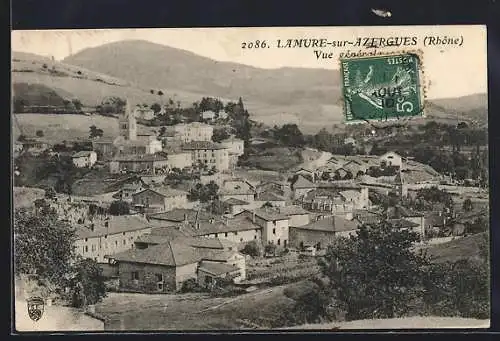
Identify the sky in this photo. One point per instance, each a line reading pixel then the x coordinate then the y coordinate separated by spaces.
pixel 450 70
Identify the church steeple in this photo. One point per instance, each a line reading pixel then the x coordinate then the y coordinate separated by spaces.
pixel 128 124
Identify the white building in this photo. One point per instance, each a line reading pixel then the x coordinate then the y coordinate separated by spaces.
pixel 234 145
pixel 392 159
pixel 208 153
pixel 178 158
pixel 85 158
pixel 208 115
pixel 194 132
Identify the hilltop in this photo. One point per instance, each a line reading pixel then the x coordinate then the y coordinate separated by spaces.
pixel 136 68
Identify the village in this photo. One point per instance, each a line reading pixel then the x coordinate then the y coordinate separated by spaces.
pixel 167 236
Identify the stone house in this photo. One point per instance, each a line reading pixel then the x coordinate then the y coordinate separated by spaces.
pixel 302 186
pixel 237 189
pixel 322 232
pixel 159 199
pixel 84 158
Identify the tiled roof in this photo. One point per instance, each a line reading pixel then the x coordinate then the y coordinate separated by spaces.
pixel 233 201
pixel 269 196
pixel 403 223
pixel 164 191
pixel 331 224
pixel 139 158
pixel 171 253
pixel 303 183
pixel 292 210
pixel 239 223
pixel 268 214
pixel 233 187
pixel 117 224
pixel 177 215
pixel 198 145
pixel 217 268
pixel 83 153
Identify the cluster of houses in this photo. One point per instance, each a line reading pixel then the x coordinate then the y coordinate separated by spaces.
pixel 181 146
pixel 168 239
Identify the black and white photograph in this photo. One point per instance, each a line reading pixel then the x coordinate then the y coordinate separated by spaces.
pixel 246 179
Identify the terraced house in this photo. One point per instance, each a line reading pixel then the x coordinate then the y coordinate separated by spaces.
pixel 163 263
pixel 98 240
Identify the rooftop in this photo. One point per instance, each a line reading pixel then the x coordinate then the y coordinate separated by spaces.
pixel 233 201
pixel 217 268
pixel 116 224
pixel 302 182
pixel 139 158
pixel 292 210
pixel 331 224
pixel 202 145
pixel 164 191
pixel 269 214
pixel 178 214
pixel 83 153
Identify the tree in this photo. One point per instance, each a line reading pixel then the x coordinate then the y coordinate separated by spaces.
pixel 95 132
pixel 50 193
pixel 87 285
pixel 156 108
pixel 204 193
pixel 290 135
pixel 252 248
pixel 270 249
pixel 44 246
pixel 375 273
pixel 39 133
pixel 160 93
pixel 467 205
pixel 77 104
pixel 219 135
pixel 119 207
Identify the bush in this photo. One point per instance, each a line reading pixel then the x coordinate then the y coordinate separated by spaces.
pixel 119 207
pixel 252 248
pixel 190 285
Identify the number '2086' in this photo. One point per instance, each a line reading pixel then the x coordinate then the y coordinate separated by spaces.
pixel 254 44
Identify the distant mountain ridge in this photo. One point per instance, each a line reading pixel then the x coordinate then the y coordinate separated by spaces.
pixel 137 69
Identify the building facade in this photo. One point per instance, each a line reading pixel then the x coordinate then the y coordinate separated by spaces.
pixel 208 153
pixel 84 159
pixel 160 199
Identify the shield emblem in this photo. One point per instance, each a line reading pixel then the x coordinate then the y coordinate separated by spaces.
pixel 35 307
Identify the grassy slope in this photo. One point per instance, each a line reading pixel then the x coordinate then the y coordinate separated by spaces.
pixel 57 128
pixel 466 247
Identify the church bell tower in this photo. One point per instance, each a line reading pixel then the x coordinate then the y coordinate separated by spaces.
pixel 128 124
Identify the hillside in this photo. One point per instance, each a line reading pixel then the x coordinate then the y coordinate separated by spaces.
pixel 273 96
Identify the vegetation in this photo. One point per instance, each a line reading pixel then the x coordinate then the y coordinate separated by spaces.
pixel 45 251
pixel 377 274
pixel 119 207
pixel 204 193
pixel 252 248
pixel 220 134
pixel 95 132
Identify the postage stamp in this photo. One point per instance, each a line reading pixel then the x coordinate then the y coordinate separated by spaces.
pixel 383 87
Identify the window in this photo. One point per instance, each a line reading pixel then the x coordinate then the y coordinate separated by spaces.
pixel 83 248
pixel 116 243
pixel 93 247
pixel 254 237
pixel 235 233
pixel 135 275
pixel 86 248
pixel 159 282
pixel 123 233
pixel 279 242
pixel 105 236
pixel 86 239
pixel 216 235
pixel 225 234
pixel 274 231
pixel 124 242
pixel 241 240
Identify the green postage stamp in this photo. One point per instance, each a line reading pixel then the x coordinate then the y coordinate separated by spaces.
pixel 383 87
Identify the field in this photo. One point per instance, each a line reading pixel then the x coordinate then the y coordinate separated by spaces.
pixel 192 311
pixel 25 196
pixel 57 128
pixel 467 247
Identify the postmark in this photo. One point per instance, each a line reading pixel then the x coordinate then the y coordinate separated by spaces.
pixel 383 87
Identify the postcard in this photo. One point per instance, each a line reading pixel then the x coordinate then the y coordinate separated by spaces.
pixel 249 179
